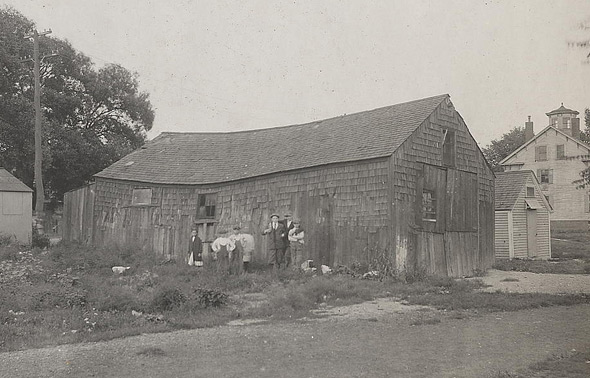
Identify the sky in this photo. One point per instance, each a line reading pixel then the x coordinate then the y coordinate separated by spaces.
pixel 219 65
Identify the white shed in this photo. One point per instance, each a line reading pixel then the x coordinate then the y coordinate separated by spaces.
pixel 15 208
pixel 522 217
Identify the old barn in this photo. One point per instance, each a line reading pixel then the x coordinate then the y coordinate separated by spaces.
pixel 406 182
pixel 522 217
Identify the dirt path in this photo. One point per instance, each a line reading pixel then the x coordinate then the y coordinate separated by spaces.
pixel 525 282
pixel 383 346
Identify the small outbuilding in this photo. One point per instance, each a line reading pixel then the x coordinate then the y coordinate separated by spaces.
pixel 15 208
pixel 522 217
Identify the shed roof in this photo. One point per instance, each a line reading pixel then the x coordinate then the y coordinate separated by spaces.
pixel 202 158
pixel 9 183
pixel 508 187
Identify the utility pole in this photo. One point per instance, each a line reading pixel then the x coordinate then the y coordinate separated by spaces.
pixel 40 194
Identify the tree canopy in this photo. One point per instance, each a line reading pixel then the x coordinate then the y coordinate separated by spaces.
pixel 499 149
pixel 91 116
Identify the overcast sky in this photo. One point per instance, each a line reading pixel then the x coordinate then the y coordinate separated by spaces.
pixel 234 65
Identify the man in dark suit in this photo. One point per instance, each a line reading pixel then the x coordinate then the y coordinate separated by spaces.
pixel 288 223
pixel 195 247
pixel 276 246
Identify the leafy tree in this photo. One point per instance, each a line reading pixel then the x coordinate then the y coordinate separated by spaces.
pixel 91 117
pixel 585 134
pixel 499 149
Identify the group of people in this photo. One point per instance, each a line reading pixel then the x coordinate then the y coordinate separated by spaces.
pixel 285 242
pixel 232 253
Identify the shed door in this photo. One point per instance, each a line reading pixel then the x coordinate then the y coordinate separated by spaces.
pixel 531 223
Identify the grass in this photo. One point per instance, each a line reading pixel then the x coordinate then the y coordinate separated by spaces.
pixel 68 294
pixel 570 251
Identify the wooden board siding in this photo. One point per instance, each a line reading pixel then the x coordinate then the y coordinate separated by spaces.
pixel 502 236
pixel 424 148
pixel 78 214
pixel 343 208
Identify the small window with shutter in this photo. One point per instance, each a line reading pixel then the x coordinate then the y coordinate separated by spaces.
pixel 541 153
pixel 560 151
pixel 545 176
pixel 142 196
pixel 207 203
pixel 530 191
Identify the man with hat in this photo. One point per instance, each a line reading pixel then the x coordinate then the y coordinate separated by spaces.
pixel 275 236
pixel 288 223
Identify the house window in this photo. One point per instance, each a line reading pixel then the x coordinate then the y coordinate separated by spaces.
pixel 567 123
pixel 207 205
pixel 541 153
pixel 448 147
pixel 560 152
pixel 428 206
pixel 530 191
pixel 142 196
pixel 545 176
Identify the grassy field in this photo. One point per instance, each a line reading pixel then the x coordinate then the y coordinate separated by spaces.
pixel 68 294
pixel 570 252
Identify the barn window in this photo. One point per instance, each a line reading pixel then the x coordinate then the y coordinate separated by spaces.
pixel 428 206
pixel 560 152
pixel 448 146
pixel 545 176
pixel 207 205
pixel 530 191
pixel 142 196
pixel 541 153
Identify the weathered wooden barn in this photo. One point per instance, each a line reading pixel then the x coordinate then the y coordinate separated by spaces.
pixel 522 217
pixel 15 208
pixel 406 182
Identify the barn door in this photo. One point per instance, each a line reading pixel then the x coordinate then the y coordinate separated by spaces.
pixel 531 225
pixel 320 241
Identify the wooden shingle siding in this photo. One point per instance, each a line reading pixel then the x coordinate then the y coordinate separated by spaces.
pixel 348 199
pixel 411 166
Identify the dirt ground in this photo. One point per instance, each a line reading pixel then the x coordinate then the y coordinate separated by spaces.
pixel 381 338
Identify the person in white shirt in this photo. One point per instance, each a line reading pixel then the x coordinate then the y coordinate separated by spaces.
pixel 222 248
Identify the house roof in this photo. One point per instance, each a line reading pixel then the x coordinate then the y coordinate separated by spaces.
pixel 9 183
pixel 582 144
pixel 562 110
pixel 202 158
pixel 509 185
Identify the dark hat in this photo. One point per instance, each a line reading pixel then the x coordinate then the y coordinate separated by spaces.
pixel 236 227
pixel 274 215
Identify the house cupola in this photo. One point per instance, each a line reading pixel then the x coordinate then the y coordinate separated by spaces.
pixel 565 120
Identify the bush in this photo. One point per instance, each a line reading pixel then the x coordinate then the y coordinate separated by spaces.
pixel 210 298
pixel 167 299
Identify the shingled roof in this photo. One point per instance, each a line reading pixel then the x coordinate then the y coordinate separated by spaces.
pixel 202 158
pixel 9 183
pixel 508 187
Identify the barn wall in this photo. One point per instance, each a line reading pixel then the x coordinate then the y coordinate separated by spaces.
pixel 415 249
pixel 342 207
